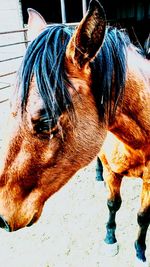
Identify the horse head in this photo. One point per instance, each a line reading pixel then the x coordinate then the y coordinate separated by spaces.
pixel 54 127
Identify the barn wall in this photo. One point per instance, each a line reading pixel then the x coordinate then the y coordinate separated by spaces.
pixel 10 15
pixel 10 55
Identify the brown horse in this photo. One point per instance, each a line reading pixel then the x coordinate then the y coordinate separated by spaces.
pixel 72 86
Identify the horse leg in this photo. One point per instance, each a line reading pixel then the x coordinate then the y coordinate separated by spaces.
pixel 113 184
pixel 143 219
pixel 113 203
pixel 99 170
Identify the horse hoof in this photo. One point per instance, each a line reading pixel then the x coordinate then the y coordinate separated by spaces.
pixel 111 250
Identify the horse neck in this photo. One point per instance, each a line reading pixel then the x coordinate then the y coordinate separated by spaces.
pixel 132 120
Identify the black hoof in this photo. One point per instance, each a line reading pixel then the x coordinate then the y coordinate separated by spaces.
pixel 140 252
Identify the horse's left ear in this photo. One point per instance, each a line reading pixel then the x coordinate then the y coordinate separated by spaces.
pixel 88 36
pixel 36 24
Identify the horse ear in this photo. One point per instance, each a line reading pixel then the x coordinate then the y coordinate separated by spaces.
pixel 88 36
pixel 36 24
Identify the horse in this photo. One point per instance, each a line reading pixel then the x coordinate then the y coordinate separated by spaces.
pixel 72 87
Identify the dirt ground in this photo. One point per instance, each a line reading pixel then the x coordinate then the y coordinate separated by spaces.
pixel 71 229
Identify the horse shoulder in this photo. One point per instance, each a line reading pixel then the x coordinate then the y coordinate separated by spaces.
pixel 120 158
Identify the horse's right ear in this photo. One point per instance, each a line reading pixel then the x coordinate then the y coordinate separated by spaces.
pixel 36 24
pixel 88 36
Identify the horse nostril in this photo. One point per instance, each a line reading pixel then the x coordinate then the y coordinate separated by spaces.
pixel 4 224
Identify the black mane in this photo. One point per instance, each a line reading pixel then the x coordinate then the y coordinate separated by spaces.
pixel 109 71
pixel 45 59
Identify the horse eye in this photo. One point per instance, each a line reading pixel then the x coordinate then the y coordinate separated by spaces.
pixel 42 127
pixel 45 127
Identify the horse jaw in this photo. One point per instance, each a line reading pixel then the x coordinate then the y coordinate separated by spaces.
pixel 36 24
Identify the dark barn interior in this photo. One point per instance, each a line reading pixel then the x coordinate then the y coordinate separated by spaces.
pixel 134 15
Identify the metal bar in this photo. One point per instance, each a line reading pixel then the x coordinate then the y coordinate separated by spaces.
pixel 5 100
pixel 63 11
pixel 22 30
pixel 4 87
pixel 7 74
pixel 26 39
pixel 66 23
pixel 84 7
pixel 14 44
pixel 8 59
